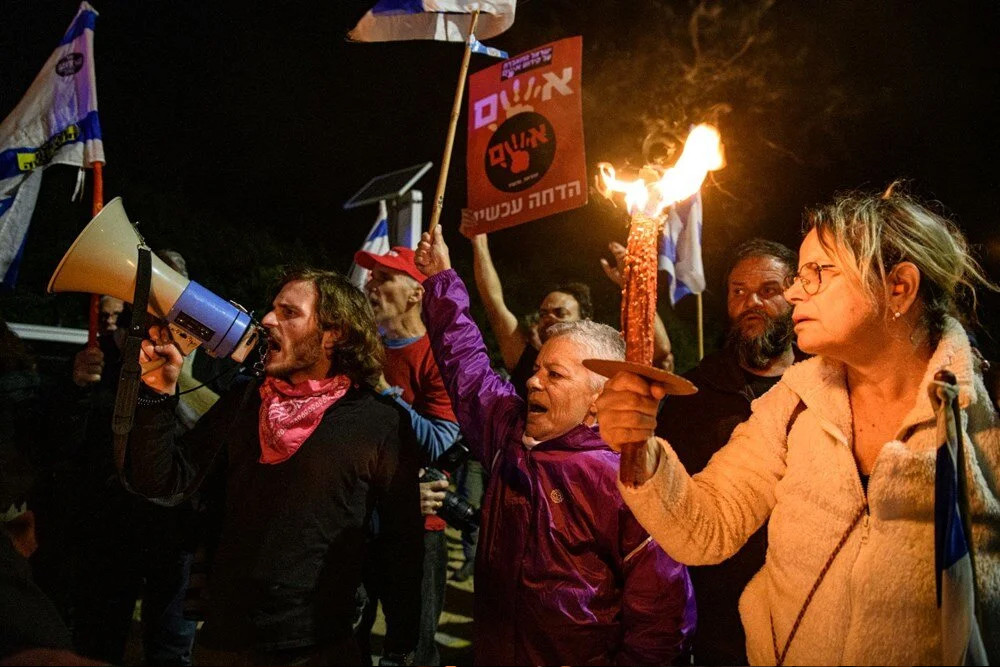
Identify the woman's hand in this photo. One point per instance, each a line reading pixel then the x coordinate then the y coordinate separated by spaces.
pixel 626 415
pixel 432 253
pixel 626 409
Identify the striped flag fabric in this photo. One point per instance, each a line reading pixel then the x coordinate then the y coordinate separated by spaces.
pixel 377 243
pixel 439 20
pixel 54 123
pixel 961 642
pixel 479 47
pixel 680 249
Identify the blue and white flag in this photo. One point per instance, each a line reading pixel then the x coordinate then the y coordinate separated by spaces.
pixel 54 123
pixel 377 243
pixel 479 47
pixel 440 20
pixel 961 643
pixel 680 249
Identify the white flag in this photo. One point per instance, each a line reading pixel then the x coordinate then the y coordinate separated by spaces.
pixel 441 20
pixel 54 123
pixel 680 249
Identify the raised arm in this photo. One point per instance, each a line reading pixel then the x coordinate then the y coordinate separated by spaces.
pixel 478 394
pixel 705 519
pixel 157 464
pixel 434 434
pixel 502 321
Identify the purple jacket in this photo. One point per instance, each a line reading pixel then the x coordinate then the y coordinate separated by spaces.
pixel 565 575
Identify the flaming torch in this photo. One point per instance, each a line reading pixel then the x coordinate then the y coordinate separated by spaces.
pixel 646 198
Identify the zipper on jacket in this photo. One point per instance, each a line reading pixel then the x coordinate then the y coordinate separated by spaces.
pixel 864 498
pixel 866 519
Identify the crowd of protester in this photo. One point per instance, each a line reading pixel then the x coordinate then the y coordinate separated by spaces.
pixel 785 512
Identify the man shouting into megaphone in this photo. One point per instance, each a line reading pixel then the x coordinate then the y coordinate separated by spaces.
pixel 303 457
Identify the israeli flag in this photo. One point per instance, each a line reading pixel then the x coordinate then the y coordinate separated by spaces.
pixel 440 20
pixel 377 243
pixel 479 47
pixel 680 249
pixel 961 642
pixel 54 123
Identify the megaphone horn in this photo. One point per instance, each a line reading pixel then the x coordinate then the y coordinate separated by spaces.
pixel 104 260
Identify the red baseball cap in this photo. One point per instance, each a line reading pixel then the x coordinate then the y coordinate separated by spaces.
pixel 399 258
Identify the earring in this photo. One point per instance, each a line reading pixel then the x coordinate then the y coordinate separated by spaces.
pixel 897 315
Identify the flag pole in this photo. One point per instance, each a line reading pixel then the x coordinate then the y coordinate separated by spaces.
pixel 456 110
pixel 701 329
pixel 96 206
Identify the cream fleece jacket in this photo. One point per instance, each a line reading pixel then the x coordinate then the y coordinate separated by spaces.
pixel 877 604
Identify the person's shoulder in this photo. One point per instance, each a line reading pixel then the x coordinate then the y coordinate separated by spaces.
pixel 378 412
pixel 593 455
pixel 717 365
pixel 365 399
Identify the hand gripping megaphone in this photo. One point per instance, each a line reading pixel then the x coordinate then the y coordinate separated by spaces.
pixel 104 260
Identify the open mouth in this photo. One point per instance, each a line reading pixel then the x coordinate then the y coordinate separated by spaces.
pixel 536 408
pixel 273 345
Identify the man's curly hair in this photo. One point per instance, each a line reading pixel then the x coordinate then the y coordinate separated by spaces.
pixel 359 353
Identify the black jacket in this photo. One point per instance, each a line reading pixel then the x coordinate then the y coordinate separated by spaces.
pixel 697 426
pixel 292 545
pixel 28 619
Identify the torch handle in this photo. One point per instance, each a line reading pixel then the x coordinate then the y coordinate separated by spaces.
pixel 632 466
pixel 638 315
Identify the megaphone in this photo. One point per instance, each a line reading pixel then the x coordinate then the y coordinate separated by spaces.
pixel 104 260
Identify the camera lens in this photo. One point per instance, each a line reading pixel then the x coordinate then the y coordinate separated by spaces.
pixel 458 512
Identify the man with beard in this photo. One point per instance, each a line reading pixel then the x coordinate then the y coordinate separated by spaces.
pixel 758 350
pixel 303 458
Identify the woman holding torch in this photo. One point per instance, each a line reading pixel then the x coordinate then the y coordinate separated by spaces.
pixel 840 455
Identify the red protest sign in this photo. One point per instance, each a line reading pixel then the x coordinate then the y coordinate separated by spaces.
pixel 525 155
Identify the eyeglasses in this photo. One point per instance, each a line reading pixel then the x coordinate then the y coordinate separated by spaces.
pixel 810 276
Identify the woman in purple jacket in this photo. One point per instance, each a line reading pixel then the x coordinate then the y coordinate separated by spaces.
pixel 564 572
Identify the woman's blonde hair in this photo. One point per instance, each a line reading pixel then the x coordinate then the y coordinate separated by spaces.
pixel 870 233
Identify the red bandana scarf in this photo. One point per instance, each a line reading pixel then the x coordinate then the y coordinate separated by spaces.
pixel 289 413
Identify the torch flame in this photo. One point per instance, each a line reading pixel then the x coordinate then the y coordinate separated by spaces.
pixel 702 153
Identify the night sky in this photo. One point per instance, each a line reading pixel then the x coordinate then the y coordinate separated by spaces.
pixel 235 132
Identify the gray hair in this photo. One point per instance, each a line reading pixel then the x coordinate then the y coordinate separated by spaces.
pixel 601 341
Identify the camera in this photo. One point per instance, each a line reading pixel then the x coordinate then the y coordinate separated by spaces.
pixel 455 510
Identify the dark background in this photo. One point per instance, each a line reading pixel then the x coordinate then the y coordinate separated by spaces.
pixel 235 132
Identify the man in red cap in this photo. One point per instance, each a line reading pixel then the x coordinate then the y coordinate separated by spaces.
pixel 411 375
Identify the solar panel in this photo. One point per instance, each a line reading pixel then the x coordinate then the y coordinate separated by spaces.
pixel 388 186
